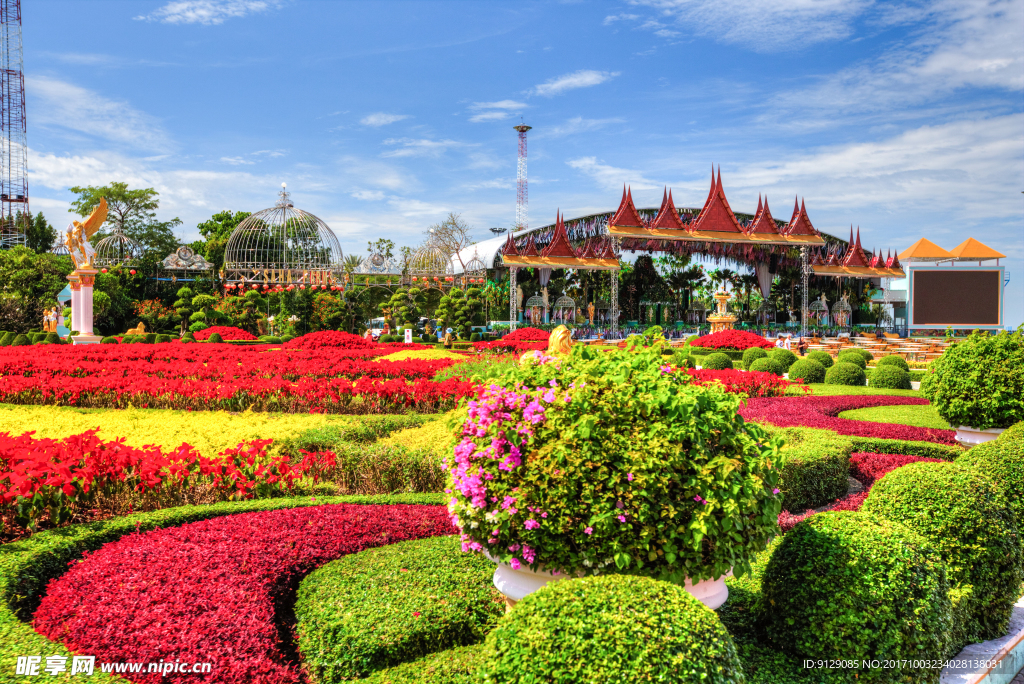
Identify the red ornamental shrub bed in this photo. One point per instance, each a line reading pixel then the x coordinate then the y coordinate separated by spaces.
pixel 866 468
pixel 519 341
pixel 750 383
pixel 527 334
pixel 206 591
pixel 329 338
pixel 226 332
pixel 731 339
pixel 224 377
pixel 822 412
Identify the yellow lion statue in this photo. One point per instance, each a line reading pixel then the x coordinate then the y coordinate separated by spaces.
pixel 140 329
pixel 559 344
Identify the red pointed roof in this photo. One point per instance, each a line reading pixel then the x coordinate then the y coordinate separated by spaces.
pixel 668 217
pixel 800 224
pixel 588 250
pixel 816 259
pixel 627 215
pixel 833 258
pixel 717 216
pixel 876 260
pixel 530 249
pixel 559 245
pixel 763 222
pixel 606 251
pixel 854 254
pixel 510 247
pixel 893 262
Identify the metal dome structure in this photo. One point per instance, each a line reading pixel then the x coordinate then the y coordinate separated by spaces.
pixel 117 249
pixel 378 264
pixel 430 262
pixel 283 245
pixel 475 267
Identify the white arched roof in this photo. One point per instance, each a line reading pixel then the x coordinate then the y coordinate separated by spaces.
pixel 485 251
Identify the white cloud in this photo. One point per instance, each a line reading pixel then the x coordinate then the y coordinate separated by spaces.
pixel 577 125
pixel 236 161
pixel 495 111
pixel 763 26
pixel 208 12
pixel 382 119
pixel 610 178
pixel 73 108
pixel 410 147
pixel 500 104
pixel 484 117
pixel 368 195
pixel 578 79
pixel 612 18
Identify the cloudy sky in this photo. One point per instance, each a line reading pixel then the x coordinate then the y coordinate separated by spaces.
pixel 906 119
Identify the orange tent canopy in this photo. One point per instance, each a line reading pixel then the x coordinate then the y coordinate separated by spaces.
pixel 972 250
pixel 925 250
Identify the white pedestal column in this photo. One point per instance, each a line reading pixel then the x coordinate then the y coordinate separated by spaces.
pixel 82 314
pixel 76 301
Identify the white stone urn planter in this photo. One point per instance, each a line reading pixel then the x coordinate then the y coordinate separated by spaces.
pixel 516 584
pixel 970 437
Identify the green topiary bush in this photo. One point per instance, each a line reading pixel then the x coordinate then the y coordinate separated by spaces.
pixel 52 338
pixel 151 338
pixel 822 357
pixel 890 377
pixel 893 360
pixel 20 341
pixel 852 356
pixel 868 356
pixel 815 469
pixel 966 517
pixel 844 581
pixel 980 381
pixel 766 365
pixel 844 373
pixel 6 339
pixel 475 337
pixel 716 362
pixel 109 340
pixel 600 497
pixel 1002 461
pixel 215 337
pixel 614 628
pixel 393 607
pixel 784 356
pixel 160 339
pixel 749 355
pixel 287 338
pixel 807 371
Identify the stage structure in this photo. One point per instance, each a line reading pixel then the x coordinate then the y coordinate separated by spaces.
pixel 284 246
pixel 14 209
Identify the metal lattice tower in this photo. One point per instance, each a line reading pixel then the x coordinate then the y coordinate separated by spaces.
pixel 13 141
pixel 522 196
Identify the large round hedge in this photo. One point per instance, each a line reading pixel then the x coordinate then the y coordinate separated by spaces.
pixel 1002 460
pixel 822 357
pixel 980 381
pixel 890 377
pixel 845 582
pixel 20 341
pixel 785 357
pixel 868 356
pixel 893 360
pixel 766 365
pixel 808 371
pixel 844 373
pixel 109 340
pixel 852 356
pixel 751 354
pixel 611 458
pixel 716 361
pixel 385 606
pixel 967 518
pixel 613 628
pixel 816 467
pixel 215 337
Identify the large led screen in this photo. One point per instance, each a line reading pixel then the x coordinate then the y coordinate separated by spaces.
pixel 956 296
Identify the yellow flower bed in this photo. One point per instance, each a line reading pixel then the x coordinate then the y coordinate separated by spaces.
pixel 425 354
pixel 434 435
pixel 208 431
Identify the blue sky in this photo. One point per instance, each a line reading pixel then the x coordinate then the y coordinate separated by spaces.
pixel 905 119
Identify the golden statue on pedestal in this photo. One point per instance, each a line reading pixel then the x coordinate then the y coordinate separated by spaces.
pixel 77 235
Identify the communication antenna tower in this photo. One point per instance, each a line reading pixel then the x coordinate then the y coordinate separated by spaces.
pixel 13 143
pixel 522 196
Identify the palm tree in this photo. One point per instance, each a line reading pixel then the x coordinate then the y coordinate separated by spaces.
pixel 747 283
pixel 352 262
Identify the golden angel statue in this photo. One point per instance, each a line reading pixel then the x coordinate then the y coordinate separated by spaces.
pixel 77 235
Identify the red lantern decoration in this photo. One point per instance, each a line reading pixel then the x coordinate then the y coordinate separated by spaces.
pixel 255 287
pixel 132 271
pixel 302 287
pixel 103 270
pixel 414 279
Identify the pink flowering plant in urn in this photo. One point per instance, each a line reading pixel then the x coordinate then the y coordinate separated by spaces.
pixel 612 462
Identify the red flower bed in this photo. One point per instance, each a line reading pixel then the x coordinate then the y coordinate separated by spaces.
pixel 329 338
pixel 732 339
pixel 226 332
pixel 224 377
pixel 821 412
pixel 752 384
pixel 866 468
pixel 57 477
pixel 206 592
pixel 519 341
pixel 527 334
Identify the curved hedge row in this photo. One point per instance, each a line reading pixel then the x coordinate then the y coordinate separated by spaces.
pixel 389 605
pixel 816 467
pixel 27 566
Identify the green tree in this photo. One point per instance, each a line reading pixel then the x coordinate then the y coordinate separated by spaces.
pixel 217 231
pixel 405 306
pixel 131 211
pixel 40 236
pixel 457 310
pixel 183 307
pixel 383 246
pixel 28 283
pixel 252 308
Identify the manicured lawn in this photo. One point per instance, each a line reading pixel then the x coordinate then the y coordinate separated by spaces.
pixel 916 416
pixel 823 390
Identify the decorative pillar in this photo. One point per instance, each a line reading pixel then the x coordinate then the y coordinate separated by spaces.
pixel 82 281
pixel 76 301
pixel 513 306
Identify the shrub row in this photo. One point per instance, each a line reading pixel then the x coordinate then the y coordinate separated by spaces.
pixel 816 466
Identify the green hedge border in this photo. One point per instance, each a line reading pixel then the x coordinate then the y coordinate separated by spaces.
pixel 816 469
pixel 734 354
pixel 947 452
pixel 27 566
pixel 915 375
